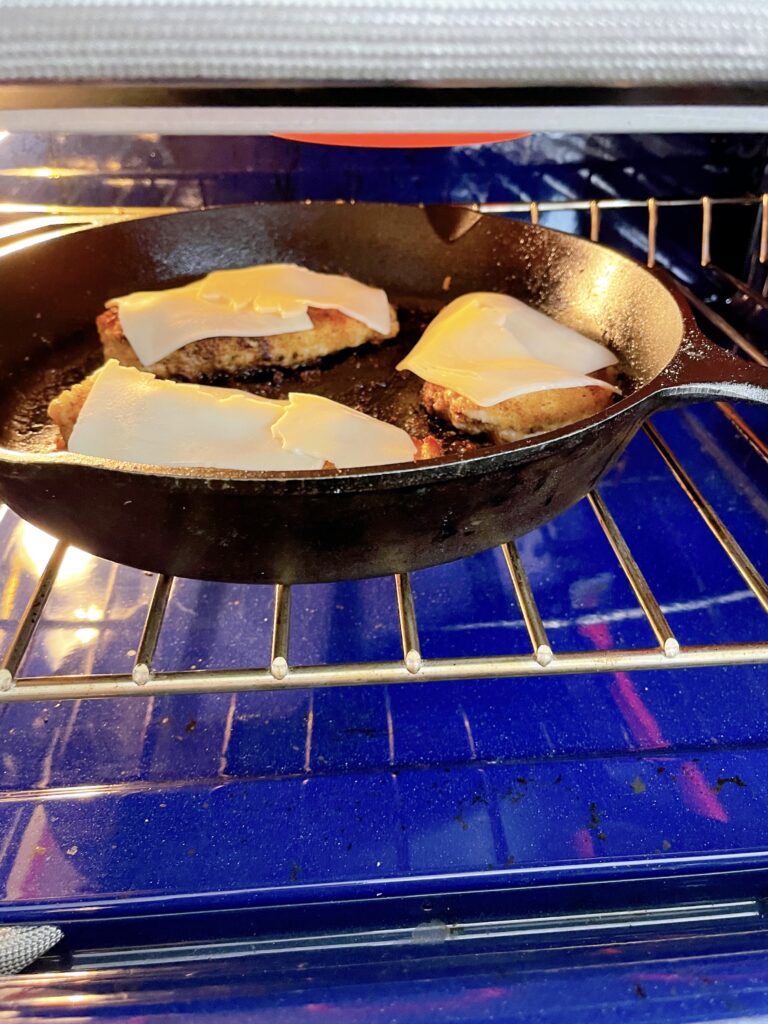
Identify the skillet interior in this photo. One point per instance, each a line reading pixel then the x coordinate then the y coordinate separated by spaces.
pixel 50 324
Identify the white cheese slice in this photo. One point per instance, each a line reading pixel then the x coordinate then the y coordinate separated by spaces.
pixel 132 416
pixel 491 347
pixel 318 426
pixel 249 302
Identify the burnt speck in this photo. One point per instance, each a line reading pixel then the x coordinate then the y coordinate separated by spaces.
pixel 509 861
pixel 666 845
pixel 478 798
pixel 295 871
pixel 461 820
pixel 660 770
pixel 594 822
pixel 447 528
pixel 729 780
pixel 217 379
pixel 558 779
pixel 640 992
pixel 191 725
pixel 513 795
pixel 191 851
pixel 638 786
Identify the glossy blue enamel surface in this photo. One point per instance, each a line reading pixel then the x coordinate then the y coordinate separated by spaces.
pixel 405 803
pixel 444 784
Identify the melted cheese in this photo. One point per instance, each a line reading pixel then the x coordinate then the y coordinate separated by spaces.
pixel 131 416
pixel 134 417
pixel 250 302
pixel 317 426
pixel 491 347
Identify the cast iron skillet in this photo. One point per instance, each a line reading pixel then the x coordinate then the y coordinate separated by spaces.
pixel 323 526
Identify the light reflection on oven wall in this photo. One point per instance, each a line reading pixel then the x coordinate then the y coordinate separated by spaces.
pixel 37 547
pixel 91 612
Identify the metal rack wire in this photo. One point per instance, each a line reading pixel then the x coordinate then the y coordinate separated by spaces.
pixel 21 226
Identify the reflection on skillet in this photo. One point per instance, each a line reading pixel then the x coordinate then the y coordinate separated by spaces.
pixel 364 378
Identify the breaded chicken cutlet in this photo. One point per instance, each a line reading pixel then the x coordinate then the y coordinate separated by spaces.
pixel 332 332
pixel 492 364
pixel 65 408
pixel 523 416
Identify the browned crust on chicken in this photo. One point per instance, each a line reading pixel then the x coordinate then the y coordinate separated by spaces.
pixel 519 417
pixel 65 407
pixel 427 448
pixel 332 332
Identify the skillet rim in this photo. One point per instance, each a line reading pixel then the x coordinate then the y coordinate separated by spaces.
pixel 391 475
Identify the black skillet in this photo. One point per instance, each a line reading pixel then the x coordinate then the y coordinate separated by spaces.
pixel 323 526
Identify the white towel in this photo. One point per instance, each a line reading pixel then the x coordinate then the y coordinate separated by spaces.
pixel 525 42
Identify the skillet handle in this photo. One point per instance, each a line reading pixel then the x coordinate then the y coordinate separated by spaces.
pixel 703 370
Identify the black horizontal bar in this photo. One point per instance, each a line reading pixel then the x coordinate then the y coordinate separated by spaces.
pixel 42 96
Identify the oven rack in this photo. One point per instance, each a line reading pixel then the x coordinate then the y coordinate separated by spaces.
pixel 25 225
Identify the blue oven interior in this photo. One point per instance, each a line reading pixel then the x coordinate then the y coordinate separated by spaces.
pixel 181 823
